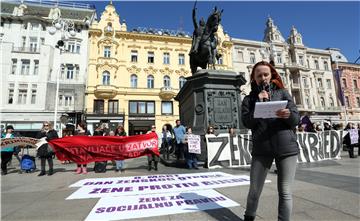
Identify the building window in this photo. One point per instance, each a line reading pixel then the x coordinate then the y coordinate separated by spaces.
pixel 134 56
pixel 181 59
pixel 358 102
pixel 106 78
pixel 279 58
pixel 322 102
pixel 331 100
pixel 320 84
pixel 11 93
pixel 305 82
pixel 133 81
pixel 25 67
pixel 36 67
pixel 252 58
pixel 78 45
pixel 107 52
pixel 70 72
pixel 150 81
pixel 42 41
pixel 167 107
pixel 33 96
pixel 167 81
pixel 307 100
pixel 219 61
pixel 68 101
pixel 99 106
pixel 23 42
pixel 328 83
pixel 347 101
pixel 33 44
pixel 151 57
pixel 13 66
pixel 62 71
pixel 150 107
pixel 326 66
pixel 113 107
pixel 344 85
pixel 182 81
pixel 166 58
pixel 71 47
pixel 22 95
pixel 77 71
pixel 316 64
pixel 141 107
pixel 298 39
pixel 308 63
pixel 240 56
pixel 60 100
pixel 282 75
pixel 301 60
pixel 355 84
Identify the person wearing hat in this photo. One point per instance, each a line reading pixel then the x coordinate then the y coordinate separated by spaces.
pixel 7 152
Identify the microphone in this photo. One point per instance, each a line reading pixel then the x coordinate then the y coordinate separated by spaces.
pixel 265 86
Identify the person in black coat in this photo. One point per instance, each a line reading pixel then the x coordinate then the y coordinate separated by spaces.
pixel 45 151
pixel 273 138
pixel 351 139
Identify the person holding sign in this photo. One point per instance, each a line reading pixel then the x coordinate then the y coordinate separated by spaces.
pixel 351 139
pixel 190 141
pixel 273 138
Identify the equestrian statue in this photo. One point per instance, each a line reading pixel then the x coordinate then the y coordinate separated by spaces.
pixel 203 51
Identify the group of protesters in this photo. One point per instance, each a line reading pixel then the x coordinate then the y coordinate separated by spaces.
pixel 169 139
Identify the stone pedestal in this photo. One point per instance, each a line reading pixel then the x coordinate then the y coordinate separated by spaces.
pixel 211 97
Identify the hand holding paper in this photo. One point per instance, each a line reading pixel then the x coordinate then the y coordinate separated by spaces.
pixel 270 109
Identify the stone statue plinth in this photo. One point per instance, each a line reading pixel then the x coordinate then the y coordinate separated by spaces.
pixel 211 97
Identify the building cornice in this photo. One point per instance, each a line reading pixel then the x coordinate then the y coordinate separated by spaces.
pixel 150 37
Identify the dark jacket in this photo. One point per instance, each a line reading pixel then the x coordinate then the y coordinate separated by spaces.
pixel 45 151
pixel 275 136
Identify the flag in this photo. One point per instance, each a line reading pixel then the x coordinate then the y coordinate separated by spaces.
pixel 338 87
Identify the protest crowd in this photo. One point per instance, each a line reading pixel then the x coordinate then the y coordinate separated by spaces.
pixel 173 144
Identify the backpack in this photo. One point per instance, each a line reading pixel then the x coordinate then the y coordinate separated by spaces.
pixel 28 163
pixel 100 167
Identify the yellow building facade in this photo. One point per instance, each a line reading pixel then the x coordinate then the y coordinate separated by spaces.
pixel 133 76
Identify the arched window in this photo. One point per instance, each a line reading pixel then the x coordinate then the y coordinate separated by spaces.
pixel 331 100
pixel 106 78
pixel 322 102
pixel 150 81
pixel 166 81
pixel 133 80
pixel 182 81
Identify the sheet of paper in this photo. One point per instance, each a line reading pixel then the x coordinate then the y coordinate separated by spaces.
pixel 268 109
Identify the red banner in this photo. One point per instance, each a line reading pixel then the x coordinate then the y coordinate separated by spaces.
pixel 85 149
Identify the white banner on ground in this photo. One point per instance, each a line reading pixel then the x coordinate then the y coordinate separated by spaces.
pixel 149 179
pixel 157 187
pixel 194 144
pixel 140 206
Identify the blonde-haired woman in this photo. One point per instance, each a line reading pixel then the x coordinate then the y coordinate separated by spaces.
pixel 43 152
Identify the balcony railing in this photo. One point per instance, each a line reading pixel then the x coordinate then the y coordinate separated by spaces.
pixel 26 49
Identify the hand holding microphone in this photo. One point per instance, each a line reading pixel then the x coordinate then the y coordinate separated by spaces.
pixel 264 94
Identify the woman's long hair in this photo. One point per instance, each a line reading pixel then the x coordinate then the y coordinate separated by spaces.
pixel 275 77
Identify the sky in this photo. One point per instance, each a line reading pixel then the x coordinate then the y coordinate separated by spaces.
pixel 322 24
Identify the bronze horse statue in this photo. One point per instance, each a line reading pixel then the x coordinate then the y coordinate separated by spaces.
pixel 206 53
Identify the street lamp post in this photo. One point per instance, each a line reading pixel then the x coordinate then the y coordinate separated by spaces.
pixel 66 27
